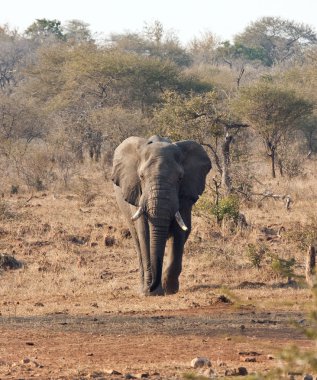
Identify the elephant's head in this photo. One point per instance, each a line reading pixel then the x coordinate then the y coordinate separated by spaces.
pixel 159 178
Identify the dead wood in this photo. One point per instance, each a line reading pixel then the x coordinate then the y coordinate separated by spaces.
pixel 310 271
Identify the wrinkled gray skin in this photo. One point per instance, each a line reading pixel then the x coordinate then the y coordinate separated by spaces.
pixel 162 178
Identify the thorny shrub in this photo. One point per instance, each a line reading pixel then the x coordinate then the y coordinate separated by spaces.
pixel 86 191
pixel 226 208
pixel 255 254
pixel 5 210
pixel 304 235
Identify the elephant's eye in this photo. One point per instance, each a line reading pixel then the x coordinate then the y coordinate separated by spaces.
pixel 141 176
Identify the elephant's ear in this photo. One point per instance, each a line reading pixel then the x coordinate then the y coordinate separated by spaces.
pixel 124 170
pixel 196 166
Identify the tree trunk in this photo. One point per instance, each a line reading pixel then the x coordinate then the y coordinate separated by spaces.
pixel 280 166
pixel 225 179
pixel 311 266
pixel 272 155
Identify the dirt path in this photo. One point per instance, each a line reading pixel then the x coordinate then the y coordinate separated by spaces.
pixel 160 344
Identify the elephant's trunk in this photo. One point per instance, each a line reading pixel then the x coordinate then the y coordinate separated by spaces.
pixel 158 237
pixel 160 206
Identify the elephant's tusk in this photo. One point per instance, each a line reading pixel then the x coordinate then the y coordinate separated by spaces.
pixel 137 215
pixel 180 221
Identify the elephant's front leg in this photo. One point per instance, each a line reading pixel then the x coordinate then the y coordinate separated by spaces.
pixel 143 250
pixel 173 264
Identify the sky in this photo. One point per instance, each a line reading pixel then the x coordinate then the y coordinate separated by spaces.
pixel 187 18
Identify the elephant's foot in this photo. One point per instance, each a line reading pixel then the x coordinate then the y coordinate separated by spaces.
pixel 171 286
pixel 159 291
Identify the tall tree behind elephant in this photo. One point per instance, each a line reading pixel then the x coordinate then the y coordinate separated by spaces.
pixel 156 184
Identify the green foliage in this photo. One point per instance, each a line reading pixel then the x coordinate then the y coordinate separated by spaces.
pixel 86 77
pixel 255 254
pixel 276 39
pixel 45 28
pixel 303 235
pixel 238 51
pixel 194 116
pixel 283 267
pixel 227 208
pixel 204 205
pixel 271 109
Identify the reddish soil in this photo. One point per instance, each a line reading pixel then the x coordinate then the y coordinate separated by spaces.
pixel 156 345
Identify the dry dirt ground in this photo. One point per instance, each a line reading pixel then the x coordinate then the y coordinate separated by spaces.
pixel 155 345
pixel 73 310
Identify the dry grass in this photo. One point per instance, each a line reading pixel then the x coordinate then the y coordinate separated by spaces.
pixel 69 269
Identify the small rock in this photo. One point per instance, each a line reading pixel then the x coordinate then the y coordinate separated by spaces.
pixel 109 241
pixel 250 360
pixel 200 362
pixel 292 373
pixel 89 354
pixel 129 376
pixel 113 372
pixel 105 275
pixel 231 372
pixel 25 361
pixel 97 374
pixel 39 304
pixel 242 371
pixel 35 364
pixel 143 375
pixel 308 377
pixel 9 262
pixel 270 357
pixel 79 240
pixel 125 233
pixel 249 353
pixel 223 299
pixel 29 343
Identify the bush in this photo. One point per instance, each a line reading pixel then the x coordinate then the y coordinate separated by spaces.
pixel 256 254
pixel 304 235
pixel 5 210
pixel 87 191
pixel 227 208
pixel 283 268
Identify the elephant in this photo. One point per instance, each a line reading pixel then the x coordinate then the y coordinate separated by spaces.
pixel 156 184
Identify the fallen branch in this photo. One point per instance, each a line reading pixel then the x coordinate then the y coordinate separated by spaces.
pixel 267 194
